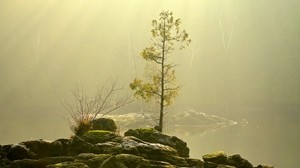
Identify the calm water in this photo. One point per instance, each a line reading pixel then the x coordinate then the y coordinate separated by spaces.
pixel 271 136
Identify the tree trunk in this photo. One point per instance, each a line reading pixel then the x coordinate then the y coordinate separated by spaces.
pixel 161 116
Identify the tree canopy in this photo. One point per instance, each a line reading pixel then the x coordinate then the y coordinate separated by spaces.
pixel 162 85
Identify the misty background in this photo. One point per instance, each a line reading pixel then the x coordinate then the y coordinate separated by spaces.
pixel 243 64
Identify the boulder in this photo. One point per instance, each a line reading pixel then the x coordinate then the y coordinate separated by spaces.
pixel 41 148
pixel 134 146
pixel 68 165
pixel 4 162
pixel 120 161
pixel 214 165
pixel 78 145
pixel 264 166
pixel 218 157
pixel 100 148
pixel 196 163
pixel 153 136
pixel 98 136
pixel 104 124
pixel 4 150
pixel 237 161
pixel 92 160
pixel 17 152
pixel 41 163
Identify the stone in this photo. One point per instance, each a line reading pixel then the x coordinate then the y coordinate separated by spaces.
pixel 78 145
pixel 194 162
pixel 264 166
pixel 4 150
pixel 92 160
pixel 17 152
pixel 218 157
pixel 4 162
pixel 41 148
pixel 139 148
pixel 104 124
pixel 124 161
pixel 153 136
pixel 68 165
pixel 238 162
pixel 41 163
pixel 98 136
pixel 215 165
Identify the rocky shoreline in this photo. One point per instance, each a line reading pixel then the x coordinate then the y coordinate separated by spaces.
pixel 102 147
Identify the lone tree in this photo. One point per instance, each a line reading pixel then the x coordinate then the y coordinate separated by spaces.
pixel 162 84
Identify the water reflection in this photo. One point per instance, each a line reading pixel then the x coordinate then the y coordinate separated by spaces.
pixel 183 124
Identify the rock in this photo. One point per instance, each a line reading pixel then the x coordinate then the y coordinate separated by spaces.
pixel 264 166
pixel 120 161
pixel 238 162
pixel 104 124
pixel 139 148
pixel 153 136
pixel 17 152
pixel 98 136
pixel 1 151
pixel 134 146
pixel 218 157
pixel 4 162
pixel 78 145
pixel 4 150
pixel 214 165
pixel 108 148
pixel 68 165
pixel 41 148
pixel 41 163
pixel 123 161
pixel 194 162
pixel 92 160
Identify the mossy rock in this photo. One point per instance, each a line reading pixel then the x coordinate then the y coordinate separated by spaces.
pixel 104 124
pixel 153 136
pixel 147 130
pixel 69 165
pixel 99 136
pixel 218 157
pixel 238 162
pixel 33 163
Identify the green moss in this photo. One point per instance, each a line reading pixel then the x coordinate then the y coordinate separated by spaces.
pixel 216 154
pixel 146 130
pixel 218 157
pixel 98 132
pixel 98 136
pixel 68 165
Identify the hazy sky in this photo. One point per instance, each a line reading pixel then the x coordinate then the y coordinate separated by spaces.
pixel 243 53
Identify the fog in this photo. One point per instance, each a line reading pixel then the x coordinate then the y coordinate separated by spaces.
pixel 243 63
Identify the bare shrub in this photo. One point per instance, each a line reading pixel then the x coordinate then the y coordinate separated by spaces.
pixel 85 109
